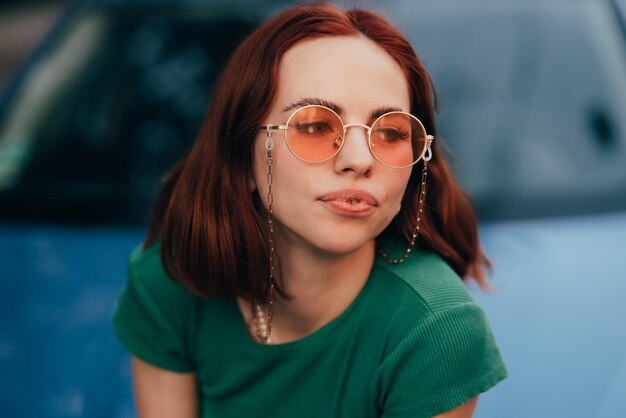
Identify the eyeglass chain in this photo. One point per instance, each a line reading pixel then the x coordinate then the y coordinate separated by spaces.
pixel 420 209
pixel 262 327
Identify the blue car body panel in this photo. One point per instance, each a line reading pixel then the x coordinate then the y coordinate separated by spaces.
pixel 58 355
pixel 557 315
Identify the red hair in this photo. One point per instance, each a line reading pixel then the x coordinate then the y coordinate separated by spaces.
pixel 213 230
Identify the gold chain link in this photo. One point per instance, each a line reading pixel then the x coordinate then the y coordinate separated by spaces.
pixel 420 209
pixel 270 201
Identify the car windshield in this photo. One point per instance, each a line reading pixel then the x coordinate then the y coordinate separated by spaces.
pixel 533 101
pixel 532 98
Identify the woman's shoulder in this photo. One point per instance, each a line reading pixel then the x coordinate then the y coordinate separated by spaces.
pixel 155 318
pixel 424 277
pixel 435 331
pixel 421 296
pixel 146 272
pixel 148 259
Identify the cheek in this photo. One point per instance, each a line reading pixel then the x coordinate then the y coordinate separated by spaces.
pixel 397 190
pixel 400 185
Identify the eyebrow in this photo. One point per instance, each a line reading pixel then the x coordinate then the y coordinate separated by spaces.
pixel 308 101
pixel 385 109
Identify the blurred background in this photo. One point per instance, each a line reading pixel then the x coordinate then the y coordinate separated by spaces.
pixel 99 98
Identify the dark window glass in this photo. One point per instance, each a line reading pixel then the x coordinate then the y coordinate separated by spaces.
pixel 532 95
pixel 107 110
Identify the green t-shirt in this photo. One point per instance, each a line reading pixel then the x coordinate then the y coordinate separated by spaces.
pixel 412 344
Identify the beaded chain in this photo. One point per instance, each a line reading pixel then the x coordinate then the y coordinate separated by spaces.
pixel 263 328
pixel 420 208
pixel 260 325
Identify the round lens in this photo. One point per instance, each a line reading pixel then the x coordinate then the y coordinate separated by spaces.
pixel 397 139
pixel 314 133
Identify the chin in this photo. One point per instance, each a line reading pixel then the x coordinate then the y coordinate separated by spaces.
pixel 342 244
pixel 328 239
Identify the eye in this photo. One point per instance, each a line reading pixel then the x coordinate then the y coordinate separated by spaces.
pixel 313 128
pixel 391 134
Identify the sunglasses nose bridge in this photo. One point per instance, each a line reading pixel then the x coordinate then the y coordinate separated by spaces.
pixel 357 125
pixel 351 125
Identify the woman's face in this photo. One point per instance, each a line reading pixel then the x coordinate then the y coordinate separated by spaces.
pixel 339 205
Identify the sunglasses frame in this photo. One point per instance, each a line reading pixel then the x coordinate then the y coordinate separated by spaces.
pixel 426 154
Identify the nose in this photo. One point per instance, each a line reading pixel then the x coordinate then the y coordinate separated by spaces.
pixel 355 156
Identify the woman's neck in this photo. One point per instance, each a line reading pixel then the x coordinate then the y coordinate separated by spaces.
pixel 321 288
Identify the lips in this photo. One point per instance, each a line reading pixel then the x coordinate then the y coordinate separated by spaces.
pixel 351 197
pixel 350 202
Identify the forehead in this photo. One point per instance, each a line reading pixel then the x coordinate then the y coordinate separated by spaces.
pixel 352 71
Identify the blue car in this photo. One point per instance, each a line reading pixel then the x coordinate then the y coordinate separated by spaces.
pixel 532 99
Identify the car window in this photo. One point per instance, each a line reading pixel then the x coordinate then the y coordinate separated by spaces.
pixel 533 101
pixel 532 97
pixel 107 110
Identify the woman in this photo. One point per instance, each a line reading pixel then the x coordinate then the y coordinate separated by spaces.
pixel 296 265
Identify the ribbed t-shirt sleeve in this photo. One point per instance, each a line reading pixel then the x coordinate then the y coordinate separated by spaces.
pixel 447 359
pixel 151 318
